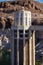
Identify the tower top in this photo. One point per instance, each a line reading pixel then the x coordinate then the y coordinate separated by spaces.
pixel 22 19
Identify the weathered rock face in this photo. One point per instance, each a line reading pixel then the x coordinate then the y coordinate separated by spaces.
pixel 7 10
pixel 4 4
pixel 6 22
pixel 12 6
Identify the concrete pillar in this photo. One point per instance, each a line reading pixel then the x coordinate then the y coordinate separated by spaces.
pixel 12 47
pixel 24 59
pixel 25 42
pixel 33 47
pixel 17 47
pixel 30 48
pixel 27 52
